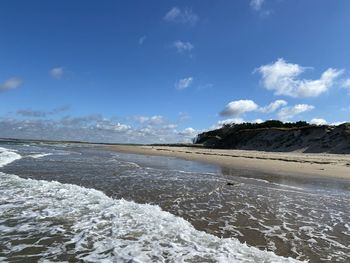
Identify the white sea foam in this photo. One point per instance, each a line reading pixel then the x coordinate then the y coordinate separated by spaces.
pixel 95 228
pixel 289 186
pixel 277 184
pixel 131 164
pixel 39 155
pixel 255 179
pixel 114 230
pixel 8 156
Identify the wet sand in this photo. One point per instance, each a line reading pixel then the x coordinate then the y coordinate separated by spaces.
pixel 293 163
pixel 304 217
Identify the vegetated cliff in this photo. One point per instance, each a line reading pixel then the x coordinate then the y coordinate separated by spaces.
pixel 279 137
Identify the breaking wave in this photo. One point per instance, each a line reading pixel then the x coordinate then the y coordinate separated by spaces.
pixel 50 221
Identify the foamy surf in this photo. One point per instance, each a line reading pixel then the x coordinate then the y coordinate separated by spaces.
pixel 39 155
pixel 8 156
pixel 50 221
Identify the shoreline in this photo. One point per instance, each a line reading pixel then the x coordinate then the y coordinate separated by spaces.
pixel 335 166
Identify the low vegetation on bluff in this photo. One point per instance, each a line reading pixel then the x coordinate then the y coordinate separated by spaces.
pixel 277 136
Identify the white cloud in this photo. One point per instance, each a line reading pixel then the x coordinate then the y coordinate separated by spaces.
pixel 205 86
pixel 183 117
pixel 346 84
pixel 258 121
pixel 184 83
pixel 57 73
pixel 273 106
pixel 146 120
pixel 170 126
pixel 116 127
pixel 31 113
pixel 120 127
pixel 256 4
pixel 188 132
pixel 42 113
pixel 238 107
pixel 318 121
pixel 219 124
pixel 287 113
pixel 313 88
pixel 183 47
pixel 9 84
pixel 94 128
pixel 283 78
pixel 347 108
pixel 229 121
pixel 142 40
pixel 181 16
pixel 338 123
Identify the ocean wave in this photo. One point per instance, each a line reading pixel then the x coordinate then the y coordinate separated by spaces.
pixel 51 221
pixel 8 156
pixel 39 155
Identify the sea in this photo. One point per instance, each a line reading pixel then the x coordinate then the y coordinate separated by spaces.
pixel 85 203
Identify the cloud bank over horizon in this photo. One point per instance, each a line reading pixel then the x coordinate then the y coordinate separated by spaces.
pixel 57 124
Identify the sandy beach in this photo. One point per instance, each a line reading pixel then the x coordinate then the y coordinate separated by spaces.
pixel 291 163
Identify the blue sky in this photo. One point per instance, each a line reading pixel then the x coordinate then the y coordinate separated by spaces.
pixel 158 71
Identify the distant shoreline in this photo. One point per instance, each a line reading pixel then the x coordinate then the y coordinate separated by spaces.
pixel 291 163
pixel 283 163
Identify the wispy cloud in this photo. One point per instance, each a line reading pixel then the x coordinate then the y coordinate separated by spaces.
pixel 288 113
pixel 42 113
pixel 142 40
pixel 183 47
pixel 284 79
pixel 114 127
pixel 181 16
pixel 57 73
pixel 60 109
pixel 273 106
pixel 183 117
pixel 31 113
pixel 184 83
pixel 257 4
pixel 346 84
pixel 11 83
pixel 205 86
pixel 150 120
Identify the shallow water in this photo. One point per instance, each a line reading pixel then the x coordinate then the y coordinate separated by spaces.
pixel 303 219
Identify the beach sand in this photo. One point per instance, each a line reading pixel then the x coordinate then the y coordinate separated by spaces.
pixel 291 163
